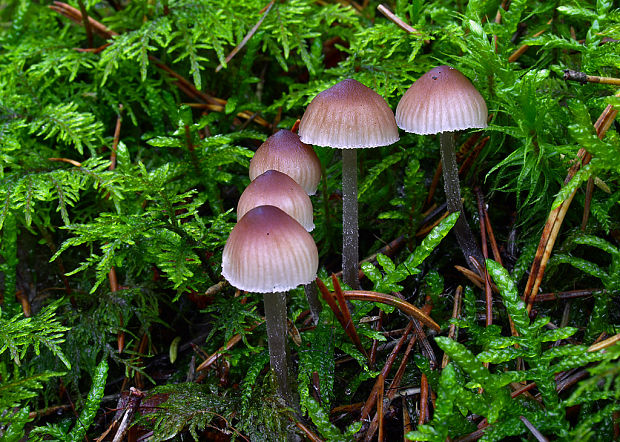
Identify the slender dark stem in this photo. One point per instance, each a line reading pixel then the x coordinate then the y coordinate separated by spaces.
pixel 466 239
pixel 312 295
pixel 350 239
pixel 275 317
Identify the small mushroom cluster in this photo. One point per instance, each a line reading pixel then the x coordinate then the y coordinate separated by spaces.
pixel 350 115
pixel 269 250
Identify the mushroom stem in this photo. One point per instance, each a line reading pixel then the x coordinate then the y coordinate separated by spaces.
pixel 466 239
pixel 275 318
pixel 350 239
pixel 312 295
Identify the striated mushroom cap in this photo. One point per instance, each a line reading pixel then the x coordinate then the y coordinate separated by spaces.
pixel 441 100
pixel 348 115
pixel 268 251
pixel 285 152
pixel 277 189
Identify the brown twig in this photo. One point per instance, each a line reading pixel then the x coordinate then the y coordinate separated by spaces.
pixel 375 343
pixel 456 311
pixel 407 425
pixel 67 160
pixel 521 50
pixel 346 314
pixel 344 317
pixel 496 255
pixel 117 136
pixel 86 23
pixel 586 204
pixel 396 20
pixel 392 390
pixel 248 36
pixel 476 279
pixel 583 78
pixel 423 400
pixel 572 294
pixel 556 216
pixel 187 87
pixel 230 344
pixel 466 165
pixel 404 306
pixel 485 252
pixel 604 344
pixel 372 398
pixel 381 381
pixel 308 432
pixel 535 432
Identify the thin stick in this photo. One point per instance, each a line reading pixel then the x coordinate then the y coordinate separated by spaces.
pixel 224 348
pixel 519 52
pixel 247 37
pixel 586 204
pixel 381 382
pixel 475 278
pixel 556 216
pixel 496 255
pixel 67 160
pixel 407 427
pixel 375 343
pixel 346 314
pixel 404 306
pixel 583 78
pixel 483 235
pixel 535 432
pixel 456 311
pixel 604 344
pixel 423 400
pixel 370 402
pixel 391 392
pixel 117 136
pixel 396 20
pixel 572 294
pixel 86 23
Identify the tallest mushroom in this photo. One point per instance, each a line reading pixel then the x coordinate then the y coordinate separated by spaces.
pixel 349 116
pixel 440 102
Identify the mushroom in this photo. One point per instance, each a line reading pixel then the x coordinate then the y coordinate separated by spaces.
pixel 284 151
pixel 277 189
pixel 269 252
pixel 349 116
pixel 443 101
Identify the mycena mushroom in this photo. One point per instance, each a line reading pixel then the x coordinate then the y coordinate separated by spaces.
pixel 443 101
pixel 269 252
pixel 349 116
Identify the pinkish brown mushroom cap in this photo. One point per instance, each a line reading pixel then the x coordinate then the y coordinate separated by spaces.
pixel 285 152
pixel 441 100
pixel 348 115
pixel 277 189
pixel 268 251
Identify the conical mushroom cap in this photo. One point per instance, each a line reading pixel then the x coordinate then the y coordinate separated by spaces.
pixel 285 152
pixel 268 251
pixel 348 115
pixel 277 189
pixel 442 100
